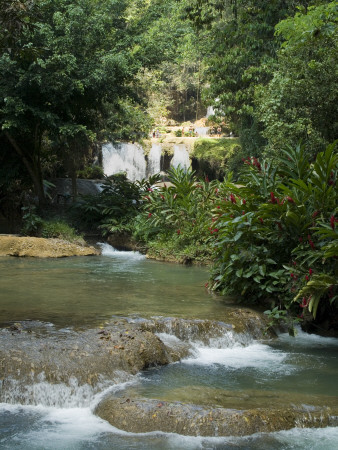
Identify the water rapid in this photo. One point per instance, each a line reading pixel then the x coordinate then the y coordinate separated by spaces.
pixel 64 305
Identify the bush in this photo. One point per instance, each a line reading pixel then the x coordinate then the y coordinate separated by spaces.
pixel 176 220
pixel 277 233
pixel 91 173
pixel 59 230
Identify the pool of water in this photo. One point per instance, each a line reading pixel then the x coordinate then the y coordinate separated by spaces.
pixel 85 291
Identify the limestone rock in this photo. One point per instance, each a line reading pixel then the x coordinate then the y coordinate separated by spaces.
pixel 42 248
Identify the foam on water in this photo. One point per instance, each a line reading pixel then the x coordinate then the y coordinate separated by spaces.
pixel 108 250
pixel 255 355
pixel 308 340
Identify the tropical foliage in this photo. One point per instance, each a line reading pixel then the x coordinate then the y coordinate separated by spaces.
pixel 277 232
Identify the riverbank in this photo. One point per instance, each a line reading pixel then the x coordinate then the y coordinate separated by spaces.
pixel 11 245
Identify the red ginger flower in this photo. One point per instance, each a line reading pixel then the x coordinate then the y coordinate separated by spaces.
pixel 232 198
pixel 332 221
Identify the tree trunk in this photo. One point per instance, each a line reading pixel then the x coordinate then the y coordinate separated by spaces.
pixel 33 171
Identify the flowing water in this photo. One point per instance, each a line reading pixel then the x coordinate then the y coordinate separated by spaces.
pixel 130 158
pixel 233 371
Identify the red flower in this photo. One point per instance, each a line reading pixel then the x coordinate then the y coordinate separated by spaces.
pixel 273 198
pixel 150 190
pixel 305 302
pixel 332 221
pixel 178 231
pixel 307 278
pixel 300 239
pixel 207 179
pixel 290 199
pixel 218 207
pixel 232 198
pixel 243 201
pixel 315 214
pixel 149 215
pixel 310 272
pixel 261 220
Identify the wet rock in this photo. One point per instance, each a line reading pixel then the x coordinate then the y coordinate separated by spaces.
pixel 240 325
pixel 140 415
pixel 42 248
pixel 89 356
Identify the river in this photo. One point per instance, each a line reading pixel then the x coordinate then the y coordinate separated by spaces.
pixel 62 295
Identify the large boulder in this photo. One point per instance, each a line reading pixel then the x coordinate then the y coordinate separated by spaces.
pixel 144 415
pixel 28 356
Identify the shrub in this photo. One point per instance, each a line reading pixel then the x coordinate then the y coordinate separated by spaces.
pixel 278 228
pixel 91 173
pixel 60 230
pixel 179 216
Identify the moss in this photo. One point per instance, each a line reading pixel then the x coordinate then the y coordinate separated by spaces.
pixel 215 156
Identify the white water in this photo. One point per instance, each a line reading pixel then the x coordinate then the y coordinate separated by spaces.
pixel 124 157
pixel 61 416
pixel 108 250
pixel 210 111
pixel 181 157
pixel 202 131
pixel 154 160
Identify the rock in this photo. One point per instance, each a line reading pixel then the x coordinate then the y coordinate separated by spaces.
pixel 141 416
pixel 91 355
pixel 42 248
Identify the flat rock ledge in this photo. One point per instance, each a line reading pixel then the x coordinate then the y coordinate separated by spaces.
pixel 42 248
pixel 142 416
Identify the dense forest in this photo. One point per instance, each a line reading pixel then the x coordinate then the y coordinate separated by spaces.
pixel 76 73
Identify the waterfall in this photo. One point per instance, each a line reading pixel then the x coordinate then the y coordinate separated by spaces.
pixel 154 160
pixel 181 157
pixel 202 131
pixel 210 111
pixel 124 157
pixel 130 158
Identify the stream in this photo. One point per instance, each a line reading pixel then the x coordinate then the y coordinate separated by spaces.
pixel 61 297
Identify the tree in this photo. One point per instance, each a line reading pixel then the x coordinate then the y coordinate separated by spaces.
pixel 67 73
pixel 300 102
pixel 242 54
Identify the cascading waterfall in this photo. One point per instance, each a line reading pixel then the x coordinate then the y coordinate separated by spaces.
pixel 130 159
pixel 124 157
pixel 210 111
pixel 181 157
pixel 154 160
pixel 202 131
